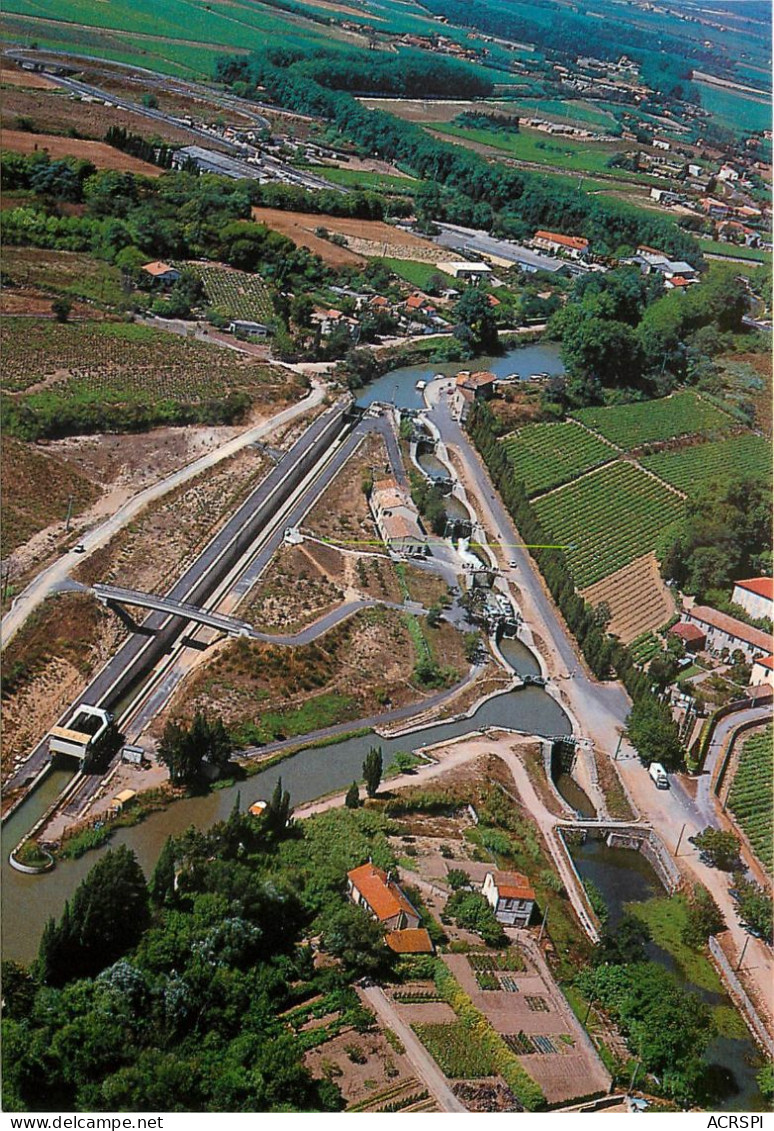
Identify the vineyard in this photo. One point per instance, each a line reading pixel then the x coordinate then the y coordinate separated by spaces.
pixel 750 796
pixel 98 376
pixel 234 294
pixel 694 468
pixel 547 455
pixel 599 542
pixel 649 422
pixel 636 597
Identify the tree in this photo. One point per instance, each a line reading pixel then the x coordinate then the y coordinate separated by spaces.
pixel 61 308
pixel 457 878
pixel 704 918
pixel 183 749
pixel 352 799
pixel 654 733
pixel 470 909
pixel 717 848
pixel 474 313
pixel 162 882
pixel 106 918
pixel 755 906
pixel 624 944
pixel 278 813
pixel 373 768
pixel 354 937
pixel 434 614
pixel 404 761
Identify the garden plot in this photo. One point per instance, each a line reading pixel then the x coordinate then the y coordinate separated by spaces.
pixel 607 520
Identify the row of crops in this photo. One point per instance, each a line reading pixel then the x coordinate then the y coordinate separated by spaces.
pixel 117 360
pixel 234 294
pixel 547 455
pixel 607 519
pixel 750 796
pixel 632 425
pixel 694 468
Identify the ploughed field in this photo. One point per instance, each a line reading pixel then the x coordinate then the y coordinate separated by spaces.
pixel 102 156
pixel 750 796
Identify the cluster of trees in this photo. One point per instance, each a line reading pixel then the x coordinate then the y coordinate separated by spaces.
pixel 469 909
pixel 168 996
pixel 430 502
pixel 184 750
pixel 725 533
pixel 406 74
pixel 651 721
pixel 135 145
pixel 620 331
pixel 463 187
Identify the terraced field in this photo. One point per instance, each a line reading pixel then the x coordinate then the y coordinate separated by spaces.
pixel 234 294
pixel 601 540
pixel 750 796
pixel 637 597
pixel 543 456
pixel 633 425
pixel 693 468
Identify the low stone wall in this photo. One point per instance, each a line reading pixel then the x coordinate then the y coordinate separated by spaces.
pixel 739 994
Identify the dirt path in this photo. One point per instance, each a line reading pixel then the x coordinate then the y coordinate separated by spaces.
pixel 421 1061
pixel 52 578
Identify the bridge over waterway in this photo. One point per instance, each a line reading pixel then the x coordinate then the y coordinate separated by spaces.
pixel 115 595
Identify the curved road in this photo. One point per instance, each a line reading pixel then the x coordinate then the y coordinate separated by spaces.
pixel 55 576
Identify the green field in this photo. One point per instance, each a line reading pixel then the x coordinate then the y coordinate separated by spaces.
pixel 362 178
pixel 543 456
pixel 743 113
pixel 647 422
pixel 417 272
pixel 694 468
pixel 541 149
pixel 750 796
pixel 607 519
pixel 716 247
pixel 234 294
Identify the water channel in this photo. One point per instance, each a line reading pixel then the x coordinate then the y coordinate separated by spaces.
pixel 624 876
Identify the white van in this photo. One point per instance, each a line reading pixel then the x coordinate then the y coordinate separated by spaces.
pixel 659 775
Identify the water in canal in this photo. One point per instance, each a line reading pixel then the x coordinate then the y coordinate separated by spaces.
pixel 29 901
pixel 399 386
pixel 624 876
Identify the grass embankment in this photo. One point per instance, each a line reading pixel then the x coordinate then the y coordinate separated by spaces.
pixel 666 917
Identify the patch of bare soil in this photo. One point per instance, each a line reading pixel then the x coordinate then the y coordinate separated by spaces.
pixel 295 590
pixel 156 548
pixel 360 667
pixel 28 301
pixel 342 511
pixel 636 596
pixel 487 1095
pixel 373 235
pixel 46 665
pixel 28 80
pixel 367 1069
pixel 101 155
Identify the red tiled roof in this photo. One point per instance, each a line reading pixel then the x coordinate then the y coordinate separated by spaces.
pixel 688 632
pixel 475 380
pixel 411 940
pixel 763 586
pixel 383 897
pixel 157 268
pixel 766 662
pixel 731 626
pixel 577 243
pixel 512 885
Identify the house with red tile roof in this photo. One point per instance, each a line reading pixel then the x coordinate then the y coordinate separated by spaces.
pixel 375 890
pixel 511 897
pixel 723 631
pixel 161 272
pixel 756 596
pixel 411 940
pixel 576 247
pixel 691 635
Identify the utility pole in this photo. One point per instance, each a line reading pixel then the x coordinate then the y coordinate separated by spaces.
pixel 618 747
pixel 637 1067
pixel 679 839
pixel 543 925
pixel 69 513
pixel 741 956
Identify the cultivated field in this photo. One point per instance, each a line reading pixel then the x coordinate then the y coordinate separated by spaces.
pixel 750 796
pixel 367 237
pixel 696 467
pixel 599 542
pixel 234 294
pixel 28 80
pixel 651 422
pixel 62 272
pixel 100 155
pixel 543 456
pixel 637 597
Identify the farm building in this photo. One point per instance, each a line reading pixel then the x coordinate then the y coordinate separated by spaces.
pixel 397 520
pixel 723 631
pixel 756 596
pixel 510 896
pixel 762 671
pixel 469 272
pixel 576 247
pixel 161 272
pixel 691 635
pixel 470 387
pixel 411 940
pixel 375 890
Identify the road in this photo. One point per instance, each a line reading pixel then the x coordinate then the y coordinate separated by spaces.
pixel 421 1061
pixel 600 709
pixel 52 579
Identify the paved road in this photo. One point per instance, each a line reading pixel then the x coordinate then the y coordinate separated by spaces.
pixel 52 579
pixel 421 1061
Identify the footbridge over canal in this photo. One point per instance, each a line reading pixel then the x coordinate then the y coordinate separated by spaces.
pixel 114 596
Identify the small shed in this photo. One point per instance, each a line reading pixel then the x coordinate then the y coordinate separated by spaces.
pixel 134 755
pixel 121 800
pixel 692 637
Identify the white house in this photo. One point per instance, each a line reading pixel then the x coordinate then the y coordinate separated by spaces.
pixel 762 671
pixel 375 890
pixel 723 631
pixel 462 269
pixel 397 520
pixel 510 896
pixel 756 596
